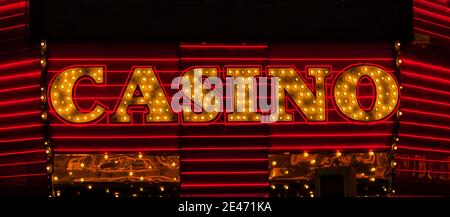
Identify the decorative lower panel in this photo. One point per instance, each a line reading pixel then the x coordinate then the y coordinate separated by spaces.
pixel 361 174
pixel 116 174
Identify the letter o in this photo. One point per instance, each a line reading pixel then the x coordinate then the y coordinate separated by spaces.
pixel 386 88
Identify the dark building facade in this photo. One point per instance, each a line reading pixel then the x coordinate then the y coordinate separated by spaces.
pixel 67 69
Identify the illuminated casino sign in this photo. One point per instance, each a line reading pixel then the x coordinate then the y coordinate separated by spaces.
pixel 242 94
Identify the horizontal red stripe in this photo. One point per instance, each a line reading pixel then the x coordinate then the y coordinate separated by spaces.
pixel 427 101
pixel 14 89
pixel 115 59
pixel 426 89
pixel 18 101
pixel 280 59
pixel 423 171
pixel 21 75
pixel 17 63
pixel 237 160
pixel 21 139
pixel 13 27
pixel 299 147
pixel 226 136
pixel 425 125
pixel 333 147
pixel 22 163
pixel 237 185
pixel 239 148
pixel 10 115
pixel 431 14
pixel 221 123
pixel 21 152
pixel 432 23
pixel 21 126
pixel 224 172
pixel 8 7
pixel 421 159
pixel 432 33
pixel 426 77
pixel 220 59
pixel 423 149
pixel 424 137
pixel 103 150
pixel 220 46
pixel 433 5
pixel 12 16
pixel 442 1
pixel 426 113
pixel 22 175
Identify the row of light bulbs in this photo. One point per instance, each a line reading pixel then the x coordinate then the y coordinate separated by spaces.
pixel 396 139
pixel 161 189
pixel 44 109
pixel 312 103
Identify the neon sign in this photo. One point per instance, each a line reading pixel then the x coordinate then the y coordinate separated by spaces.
pixel 242 94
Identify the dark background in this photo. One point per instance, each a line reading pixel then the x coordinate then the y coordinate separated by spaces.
pixel 217 20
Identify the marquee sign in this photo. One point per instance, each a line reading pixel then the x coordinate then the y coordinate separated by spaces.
pixel 244 94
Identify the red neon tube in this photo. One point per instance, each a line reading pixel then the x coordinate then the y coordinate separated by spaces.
pixel 21 139
pixel 280 59
pixel 425 101
pixel 242 185
pixel 424 137
pixel 423 149
pixel 19 88
pixel 22 175
pixel 221 46
pixel 20 114
pixel 238 160
pixel 428 78
pixel 22 126
pixel 432 23
pixel 431 14
pixel 432 33
pixel 22 152
pixel 225 173
pixel 433 5
pixel 425 125
pixel 225 136
pixel 22 163
pixel 17 63
pixel 423 171
pixel 426 113
pixel 8 7
pixel 18 101
pixel 115 59
pixel 421 159
pixel 21 75
pixel 426 89
pixel 13 27
pixel 106 150
pixel 12 16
